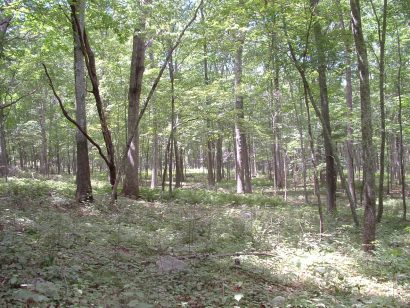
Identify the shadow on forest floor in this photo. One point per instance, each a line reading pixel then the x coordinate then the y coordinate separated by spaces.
pixel 56 252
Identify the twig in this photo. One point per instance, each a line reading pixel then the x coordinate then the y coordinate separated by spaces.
pixel 17 100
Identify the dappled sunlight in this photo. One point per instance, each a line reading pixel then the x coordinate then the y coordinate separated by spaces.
pixel 226 250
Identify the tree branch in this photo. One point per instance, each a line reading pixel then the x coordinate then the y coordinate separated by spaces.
pixel 16 101
pixel 69 118
pixel 147 100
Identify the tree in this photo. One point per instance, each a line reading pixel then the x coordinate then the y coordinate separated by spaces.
pixel 324 100
pixel 243 177
pixel 4 24
pixel 381 32
pixel 368 153
pixel 83 178
pixel 131 182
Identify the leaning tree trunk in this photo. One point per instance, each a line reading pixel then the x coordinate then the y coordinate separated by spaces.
pixel 131 181
pixel 314 163
pixel 306 86
pixel 369 231
pixel 321 68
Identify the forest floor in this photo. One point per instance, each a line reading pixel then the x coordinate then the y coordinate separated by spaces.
pixel 200 248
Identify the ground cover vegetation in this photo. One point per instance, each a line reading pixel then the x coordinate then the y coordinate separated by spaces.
pixel 236 153
pixel 246 251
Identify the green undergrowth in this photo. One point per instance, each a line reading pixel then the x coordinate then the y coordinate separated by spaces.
pixel 54 252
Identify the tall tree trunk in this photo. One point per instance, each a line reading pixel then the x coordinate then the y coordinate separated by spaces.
pixel 43 132
pixel 172 134
pixel 369 231
pixel 349 102
pixel 321 68
pixel 131 181
pixel 89 58
pixel 178 167
pixel 381 29
pixel 243 179
pixel 4 24
pixel 306 86
pixel 314 163
pixel 401 148
pixel 219 159
pixel 155 153
pixel 279 163
pixel 3 149
pixel 83 178
pixel 299 116
pixel 209 142
pixel 154 169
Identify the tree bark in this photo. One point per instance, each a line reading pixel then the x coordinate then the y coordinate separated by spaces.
pixel 306 86
pixel 314 163
pixel 83 177
pixel 92 73
pixel 381 29
pixel 401 147
pixel 243 180
pixel 209 142
pixel 43 133
pixel 4 24
pixel 131 181
pixel 321 68
pixel 369 231
pixel 219 159
pixel 349 102
pixel 3 149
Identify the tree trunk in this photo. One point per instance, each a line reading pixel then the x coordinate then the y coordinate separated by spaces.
pixel 321 68
pixel 401 148
pixel 243 180
pixel 83 178
pixel 43 132
pixel 349 102
pixel 131 181
pixel 209 142
pixel 4 24
pixel 306 86
pixel 3 149
pixel 369 232
pixel 154 169
pixel 172 134
pixel 92 73
pixel 178 167
pixel 219 159
pixel 382 40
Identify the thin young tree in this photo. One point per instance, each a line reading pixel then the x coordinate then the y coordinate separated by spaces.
pixel 381 32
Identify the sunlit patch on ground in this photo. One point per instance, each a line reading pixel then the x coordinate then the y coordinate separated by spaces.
pixel 217 249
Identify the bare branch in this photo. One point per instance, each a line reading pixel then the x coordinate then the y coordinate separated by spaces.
pixel 150 94
pixel 69 118
pixel 16 101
